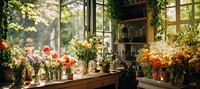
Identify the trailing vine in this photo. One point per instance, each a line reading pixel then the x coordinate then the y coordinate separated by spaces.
pixel 3 19
pixel 158 20
pixel 114 9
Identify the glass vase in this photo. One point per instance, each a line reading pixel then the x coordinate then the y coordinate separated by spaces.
pixel 18 75
pixel 85 67
pixel 60 73
pixel 176 78
pixel 147 72
pixel 156 74
pixel 164 75
pixel 36 76
pixel 47 77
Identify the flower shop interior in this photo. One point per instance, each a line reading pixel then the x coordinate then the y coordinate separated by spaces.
pixel 100 44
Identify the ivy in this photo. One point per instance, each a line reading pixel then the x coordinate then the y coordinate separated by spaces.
pixel 3 19
pixel 114 9
pixel 158 21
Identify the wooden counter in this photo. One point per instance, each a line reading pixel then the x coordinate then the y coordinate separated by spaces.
pixel 145 83
pixel 90 81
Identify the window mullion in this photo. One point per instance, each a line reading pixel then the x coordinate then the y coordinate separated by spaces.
pixel 178 16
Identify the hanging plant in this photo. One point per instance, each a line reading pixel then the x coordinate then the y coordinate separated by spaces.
pixel 158 20
pixel 114 9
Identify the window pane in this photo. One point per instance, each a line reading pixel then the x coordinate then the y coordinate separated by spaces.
pixel 171 29
pixel 196 0
pixel 100 1
pixel 184 12
pixel 107 38
pixel 183 27
pixel 106 23
pixel 171 3
pixel 197 11
pixel 99 17
pixel 185 1
pixel 171 14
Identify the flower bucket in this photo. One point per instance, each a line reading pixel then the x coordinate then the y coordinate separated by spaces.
pixel 156 74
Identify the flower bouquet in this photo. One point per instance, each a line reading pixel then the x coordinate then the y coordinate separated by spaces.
pixel 85 50
pixel 68 62
pixel 18 64
pixel 35 61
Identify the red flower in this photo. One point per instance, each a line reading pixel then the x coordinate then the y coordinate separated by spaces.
pixel 180 56
pixel 3 45
pixel 179 61
pixel 46 49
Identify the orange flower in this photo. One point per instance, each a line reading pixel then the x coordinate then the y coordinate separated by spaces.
pixel 3 45
pixel 66 58
pixel 72 60
pixel 145 58
pixel 28 49
pixel 179 61
pixel 54 54
pixel 156 64
pixel 163 65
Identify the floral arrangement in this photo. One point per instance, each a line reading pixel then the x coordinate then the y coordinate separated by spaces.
pixel 86 49
pixel 68 62
pixel 194 64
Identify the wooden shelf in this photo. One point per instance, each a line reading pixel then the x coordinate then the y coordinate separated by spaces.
pixel 132 20
pixel 136 3
pixel 130 43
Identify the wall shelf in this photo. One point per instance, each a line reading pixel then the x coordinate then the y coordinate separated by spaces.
pixel 133 20
pixel 130 43
pixel 136 3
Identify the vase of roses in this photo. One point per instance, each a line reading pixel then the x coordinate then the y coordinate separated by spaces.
pixel 86 50
pixel 68 62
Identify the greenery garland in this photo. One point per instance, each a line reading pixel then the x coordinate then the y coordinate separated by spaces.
pixel 114 9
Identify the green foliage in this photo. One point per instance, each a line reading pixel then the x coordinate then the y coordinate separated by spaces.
pixel 3 19
pixel 114 9
pixel 158 21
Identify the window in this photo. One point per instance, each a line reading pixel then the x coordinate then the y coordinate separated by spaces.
pixel 179 13
pixel 103 23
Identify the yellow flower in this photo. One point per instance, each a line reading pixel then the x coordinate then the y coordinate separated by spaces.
pixel 98 48
pixel 186 51
pixel 85 43
pixel 166 57
pixel 89 46
pixel 138 59
pixel 97 45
